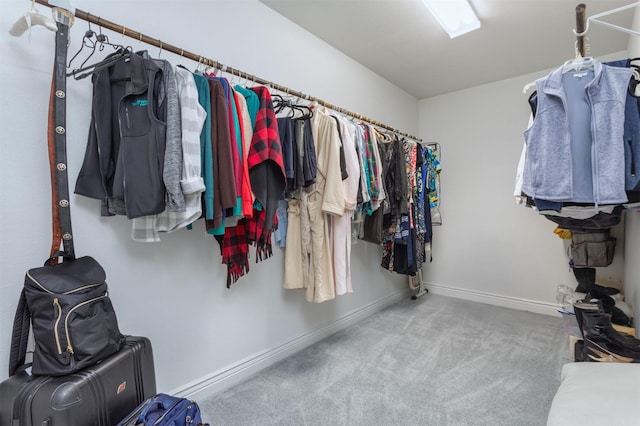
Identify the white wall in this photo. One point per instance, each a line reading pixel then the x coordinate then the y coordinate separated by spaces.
pixel 488 248
pixel 174 292
pixel 632 267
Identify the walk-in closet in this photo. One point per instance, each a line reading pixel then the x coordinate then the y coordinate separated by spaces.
pixel 321 212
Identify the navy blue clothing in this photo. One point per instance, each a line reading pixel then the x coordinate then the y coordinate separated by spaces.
pixel 631 136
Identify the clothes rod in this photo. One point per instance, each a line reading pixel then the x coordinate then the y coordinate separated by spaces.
pixel 125 31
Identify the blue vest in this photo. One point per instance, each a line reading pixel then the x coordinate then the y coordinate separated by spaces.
pixel 575 146
pixel 631 136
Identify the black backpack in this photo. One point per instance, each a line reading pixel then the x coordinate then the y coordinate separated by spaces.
pixel 74 324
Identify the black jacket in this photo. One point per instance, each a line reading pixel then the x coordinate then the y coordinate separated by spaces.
pixel 124 157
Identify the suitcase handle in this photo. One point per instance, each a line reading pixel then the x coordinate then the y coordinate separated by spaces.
pixel 157 404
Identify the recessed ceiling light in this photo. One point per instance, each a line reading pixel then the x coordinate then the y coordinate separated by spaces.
pixel 455 16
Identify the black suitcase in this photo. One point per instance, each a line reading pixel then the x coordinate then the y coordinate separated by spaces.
pixel 99 395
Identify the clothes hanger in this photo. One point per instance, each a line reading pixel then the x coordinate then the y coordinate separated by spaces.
pixel 246 81
pixel 305 111
pixel 87 41
pixel 121 53
pixel 528 86
pixel 110 60
pixel 580 63
pixel 103 40
pixel 30 19
pixel 635 79
pixel 278 102
pixel 207 66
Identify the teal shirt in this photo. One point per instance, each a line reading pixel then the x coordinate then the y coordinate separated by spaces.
pixel 205 144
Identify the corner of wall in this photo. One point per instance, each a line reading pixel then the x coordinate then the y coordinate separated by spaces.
pixel 632 268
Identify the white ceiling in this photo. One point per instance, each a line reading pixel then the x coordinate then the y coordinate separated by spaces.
pixel 402 42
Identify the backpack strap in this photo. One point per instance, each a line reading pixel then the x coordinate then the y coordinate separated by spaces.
pixel 20 336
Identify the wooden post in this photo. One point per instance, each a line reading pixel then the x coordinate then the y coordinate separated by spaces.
pixel 580 27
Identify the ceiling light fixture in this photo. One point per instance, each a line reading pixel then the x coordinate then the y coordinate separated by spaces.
pixel 455 16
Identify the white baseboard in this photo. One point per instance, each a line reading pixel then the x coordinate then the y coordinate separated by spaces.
pixel 235 373
pixel 494 299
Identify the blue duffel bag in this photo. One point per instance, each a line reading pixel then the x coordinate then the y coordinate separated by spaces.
pixel 165 410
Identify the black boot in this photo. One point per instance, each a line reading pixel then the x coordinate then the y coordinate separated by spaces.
pixel 582 306
pixel 604 343
pixel 609 305
pixel 597 324
pixel 586 278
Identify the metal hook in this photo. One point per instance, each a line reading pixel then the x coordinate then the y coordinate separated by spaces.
pixel 101 37
pixel 160 52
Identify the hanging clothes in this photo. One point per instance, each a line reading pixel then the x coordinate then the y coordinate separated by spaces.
pixel 206 146
pixel 298 266
pixel 287 136
pixel 147 229
pixel 575 152
pixel 266 174
pixel 246 133
pixel 266 168
pixel 172 170
pixel 341 226
pixel 126 139
pixel 325 198
pixel 224 176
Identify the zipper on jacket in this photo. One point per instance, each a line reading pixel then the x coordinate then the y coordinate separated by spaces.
pixel 126 116
pixel 594 157
pixel 633 162
pixel 56 304
pixel 66 319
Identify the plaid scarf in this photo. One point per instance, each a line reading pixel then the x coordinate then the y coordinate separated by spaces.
pixel 268 182
pixel 235 251
pixel 263 240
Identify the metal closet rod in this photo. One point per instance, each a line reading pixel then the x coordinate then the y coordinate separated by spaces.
pixel 125 31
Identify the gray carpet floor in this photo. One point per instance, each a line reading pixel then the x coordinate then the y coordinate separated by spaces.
pixel 434 361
